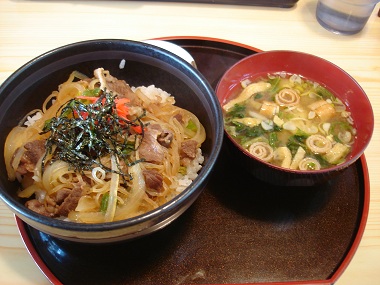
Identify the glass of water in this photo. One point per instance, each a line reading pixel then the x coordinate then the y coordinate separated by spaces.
pixel 344 16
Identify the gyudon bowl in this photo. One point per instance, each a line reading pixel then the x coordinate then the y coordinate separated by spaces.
pixel 109 125
pixel 293 119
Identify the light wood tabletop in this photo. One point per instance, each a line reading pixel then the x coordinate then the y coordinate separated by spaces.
pixel 30 28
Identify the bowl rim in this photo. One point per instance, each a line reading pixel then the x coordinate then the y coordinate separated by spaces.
pixel 231 86
pixel 26 214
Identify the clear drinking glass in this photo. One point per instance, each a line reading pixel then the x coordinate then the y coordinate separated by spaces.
pixel 344 16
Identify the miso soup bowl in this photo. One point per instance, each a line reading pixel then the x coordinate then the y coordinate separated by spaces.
pixel 341 84
pixel 144 64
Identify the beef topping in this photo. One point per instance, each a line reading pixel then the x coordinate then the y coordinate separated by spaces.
pixel 150 149
pixel 40 208
pixel 153 180
pixel 179 118
pixel 165 138
pixel 60 203
pixel 188 149
pixel 71 201
pixel 117 86
pixel 121 88
pixel 61 195
pixel 34 150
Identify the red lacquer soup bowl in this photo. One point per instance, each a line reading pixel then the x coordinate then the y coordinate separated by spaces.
pixel 315 69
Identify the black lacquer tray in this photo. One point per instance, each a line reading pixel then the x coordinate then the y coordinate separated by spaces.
pixel 239 231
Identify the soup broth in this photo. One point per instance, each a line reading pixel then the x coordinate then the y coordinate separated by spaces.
pixel 290 121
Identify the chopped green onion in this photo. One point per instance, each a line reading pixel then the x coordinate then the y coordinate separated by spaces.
pixel 191 126
pixel 104 202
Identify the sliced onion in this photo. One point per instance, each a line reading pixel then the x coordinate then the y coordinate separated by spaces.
pixel 137 193
pixel 112 200
pixel 17 158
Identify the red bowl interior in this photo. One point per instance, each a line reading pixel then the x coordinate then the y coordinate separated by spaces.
pixel 316 69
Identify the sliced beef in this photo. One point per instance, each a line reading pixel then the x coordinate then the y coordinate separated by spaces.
pixel 121 88
pixel 150 149
pixel 153 180
pixel 34 150
pixel 117 86
pixel 156 127
pixel 60 203
pixel 61 195
pixel 188 149
pixel 165 138
pixel 40 208
pixel 179 118
pixel 71 201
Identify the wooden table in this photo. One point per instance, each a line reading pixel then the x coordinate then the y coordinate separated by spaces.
pixel 29 28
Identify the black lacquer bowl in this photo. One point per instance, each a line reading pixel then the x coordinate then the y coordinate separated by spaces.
pixel 145 64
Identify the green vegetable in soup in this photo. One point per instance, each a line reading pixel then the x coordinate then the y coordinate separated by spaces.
pixel 237 111
pixel 324 93
pixel 296 141
pixel 273 139
pixel 339 127
pixel 244 133
pixel 275 85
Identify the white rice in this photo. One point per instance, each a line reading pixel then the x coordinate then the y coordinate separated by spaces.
pixel 192 172
pixel 30 120
pixel 122 64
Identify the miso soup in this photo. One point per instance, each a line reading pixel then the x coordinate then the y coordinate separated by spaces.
pixel 290 121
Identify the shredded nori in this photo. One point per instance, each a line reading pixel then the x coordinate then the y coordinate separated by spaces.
pixel 83 133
